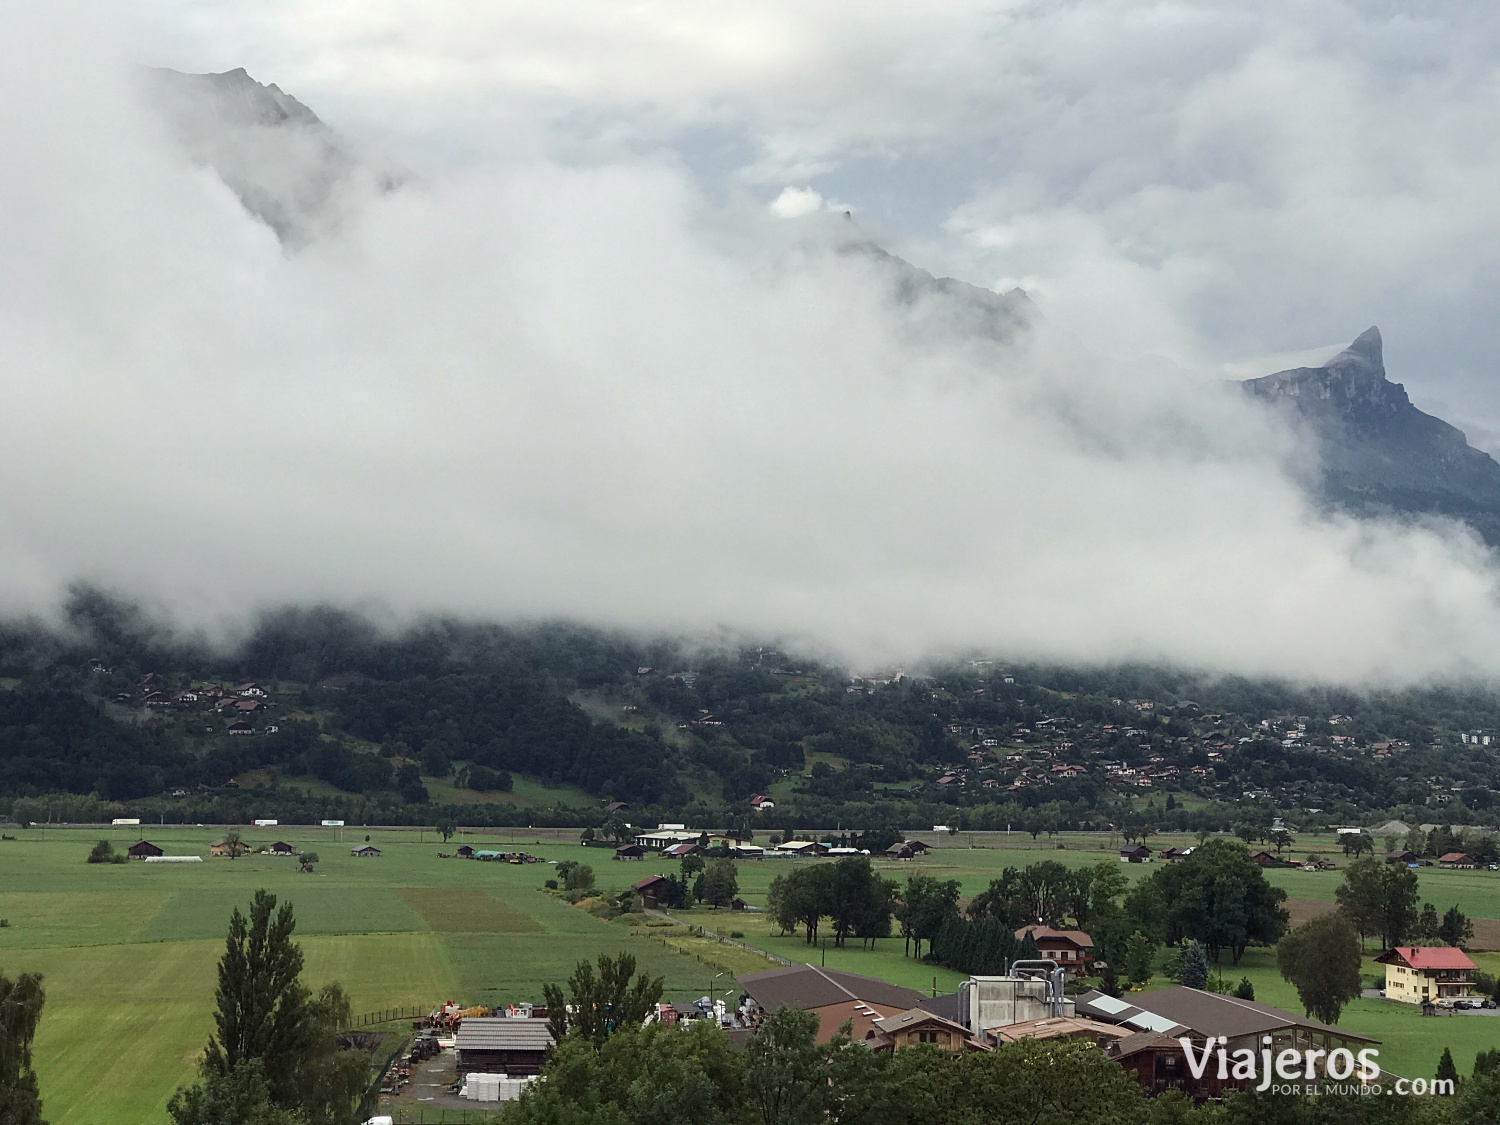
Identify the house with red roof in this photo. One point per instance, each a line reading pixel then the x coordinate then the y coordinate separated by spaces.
pixel 1420 973
pixel 1072 949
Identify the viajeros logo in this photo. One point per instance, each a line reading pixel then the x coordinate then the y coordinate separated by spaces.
pixel 1296 1070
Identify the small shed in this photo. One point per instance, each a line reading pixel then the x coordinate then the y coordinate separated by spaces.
pixel 465 852
pixel 651 887
pixel 364 851
pixel 143 850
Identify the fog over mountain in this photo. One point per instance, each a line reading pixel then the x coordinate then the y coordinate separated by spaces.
pixel 535 386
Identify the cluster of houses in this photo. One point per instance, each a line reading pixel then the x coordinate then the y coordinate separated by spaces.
pixel 1143 1035
pixel 240 704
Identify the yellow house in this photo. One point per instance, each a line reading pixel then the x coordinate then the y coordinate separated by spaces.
pixel 1432 973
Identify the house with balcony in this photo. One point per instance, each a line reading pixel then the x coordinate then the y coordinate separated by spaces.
pixel 1414 974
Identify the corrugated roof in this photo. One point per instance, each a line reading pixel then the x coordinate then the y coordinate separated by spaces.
pixel 1211 1014
pixel 500 1033
pixel 1059 1027
pixel 812 986
pixel 946 1006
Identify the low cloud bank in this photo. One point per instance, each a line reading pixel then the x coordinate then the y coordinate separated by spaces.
pixel 538 389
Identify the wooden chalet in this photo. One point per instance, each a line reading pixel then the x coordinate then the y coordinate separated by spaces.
pixel 514 1046
pixel 143 850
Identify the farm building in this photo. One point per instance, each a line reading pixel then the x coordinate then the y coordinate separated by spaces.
pixel 836 996
pixel 1139 853
pixel 651 887
pixel 364 851
pixel 502 1045
pixel 143 850
pixel 465 852
pixel 630 851
pixel 1457 861
pixel 1154 1055
pixel 281 847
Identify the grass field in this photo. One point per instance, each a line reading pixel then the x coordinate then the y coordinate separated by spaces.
pixel 129 951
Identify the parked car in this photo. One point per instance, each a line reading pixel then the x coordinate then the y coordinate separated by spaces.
pixel 1463 1005
pixel 1489 1004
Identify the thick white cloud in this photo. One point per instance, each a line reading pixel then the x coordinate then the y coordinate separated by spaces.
pixel 1206 180
pixel 545 384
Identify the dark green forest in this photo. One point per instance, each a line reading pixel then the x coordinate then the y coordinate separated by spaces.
pixel 315 711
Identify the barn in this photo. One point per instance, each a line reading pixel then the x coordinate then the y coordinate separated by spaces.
pixel 143 850
pixel 503 1045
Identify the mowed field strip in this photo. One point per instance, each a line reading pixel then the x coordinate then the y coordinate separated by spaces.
pixel 129 951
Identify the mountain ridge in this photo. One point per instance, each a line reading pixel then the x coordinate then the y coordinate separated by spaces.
pixel 1379 455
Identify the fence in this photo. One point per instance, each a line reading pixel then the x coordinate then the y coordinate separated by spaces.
pixel 432 1115
pixel 388 1015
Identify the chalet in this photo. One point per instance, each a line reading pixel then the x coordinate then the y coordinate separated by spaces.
pixel 514 1046
pixel 281 847
pixel 1072 949
pixel 916 1027
pixel 1404 857
pixel 464 852
pixel 1136 853
pixel 221 848
pixel 836 996
pixel 1175 855
pixel 241 727
pixel 651 888
pixel 1414 974
pixel 248 706
pixel 761 803
pixel 1264 859
pixel 683 850
pixel 251 690
pixel 900 851
pixel 186 697
pixel 143 850
pixel 617 806
pixel 364 851
pixel 1457 861
pixel 630 851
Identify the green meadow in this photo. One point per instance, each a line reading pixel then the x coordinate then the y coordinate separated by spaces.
pixel 129 951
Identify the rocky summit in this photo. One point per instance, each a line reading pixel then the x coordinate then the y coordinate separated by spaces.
pixel 1378 454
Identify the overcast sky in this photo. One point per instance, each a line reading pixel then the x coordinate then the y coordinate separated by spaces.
pixel 602 356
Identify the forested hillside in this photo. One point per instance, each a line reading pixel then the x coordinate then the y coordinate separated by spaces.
pixel 318 712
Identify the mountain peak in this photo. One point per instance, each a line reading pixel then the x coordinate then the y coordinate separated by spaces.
pixel 1366 354
pixel 1379 454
